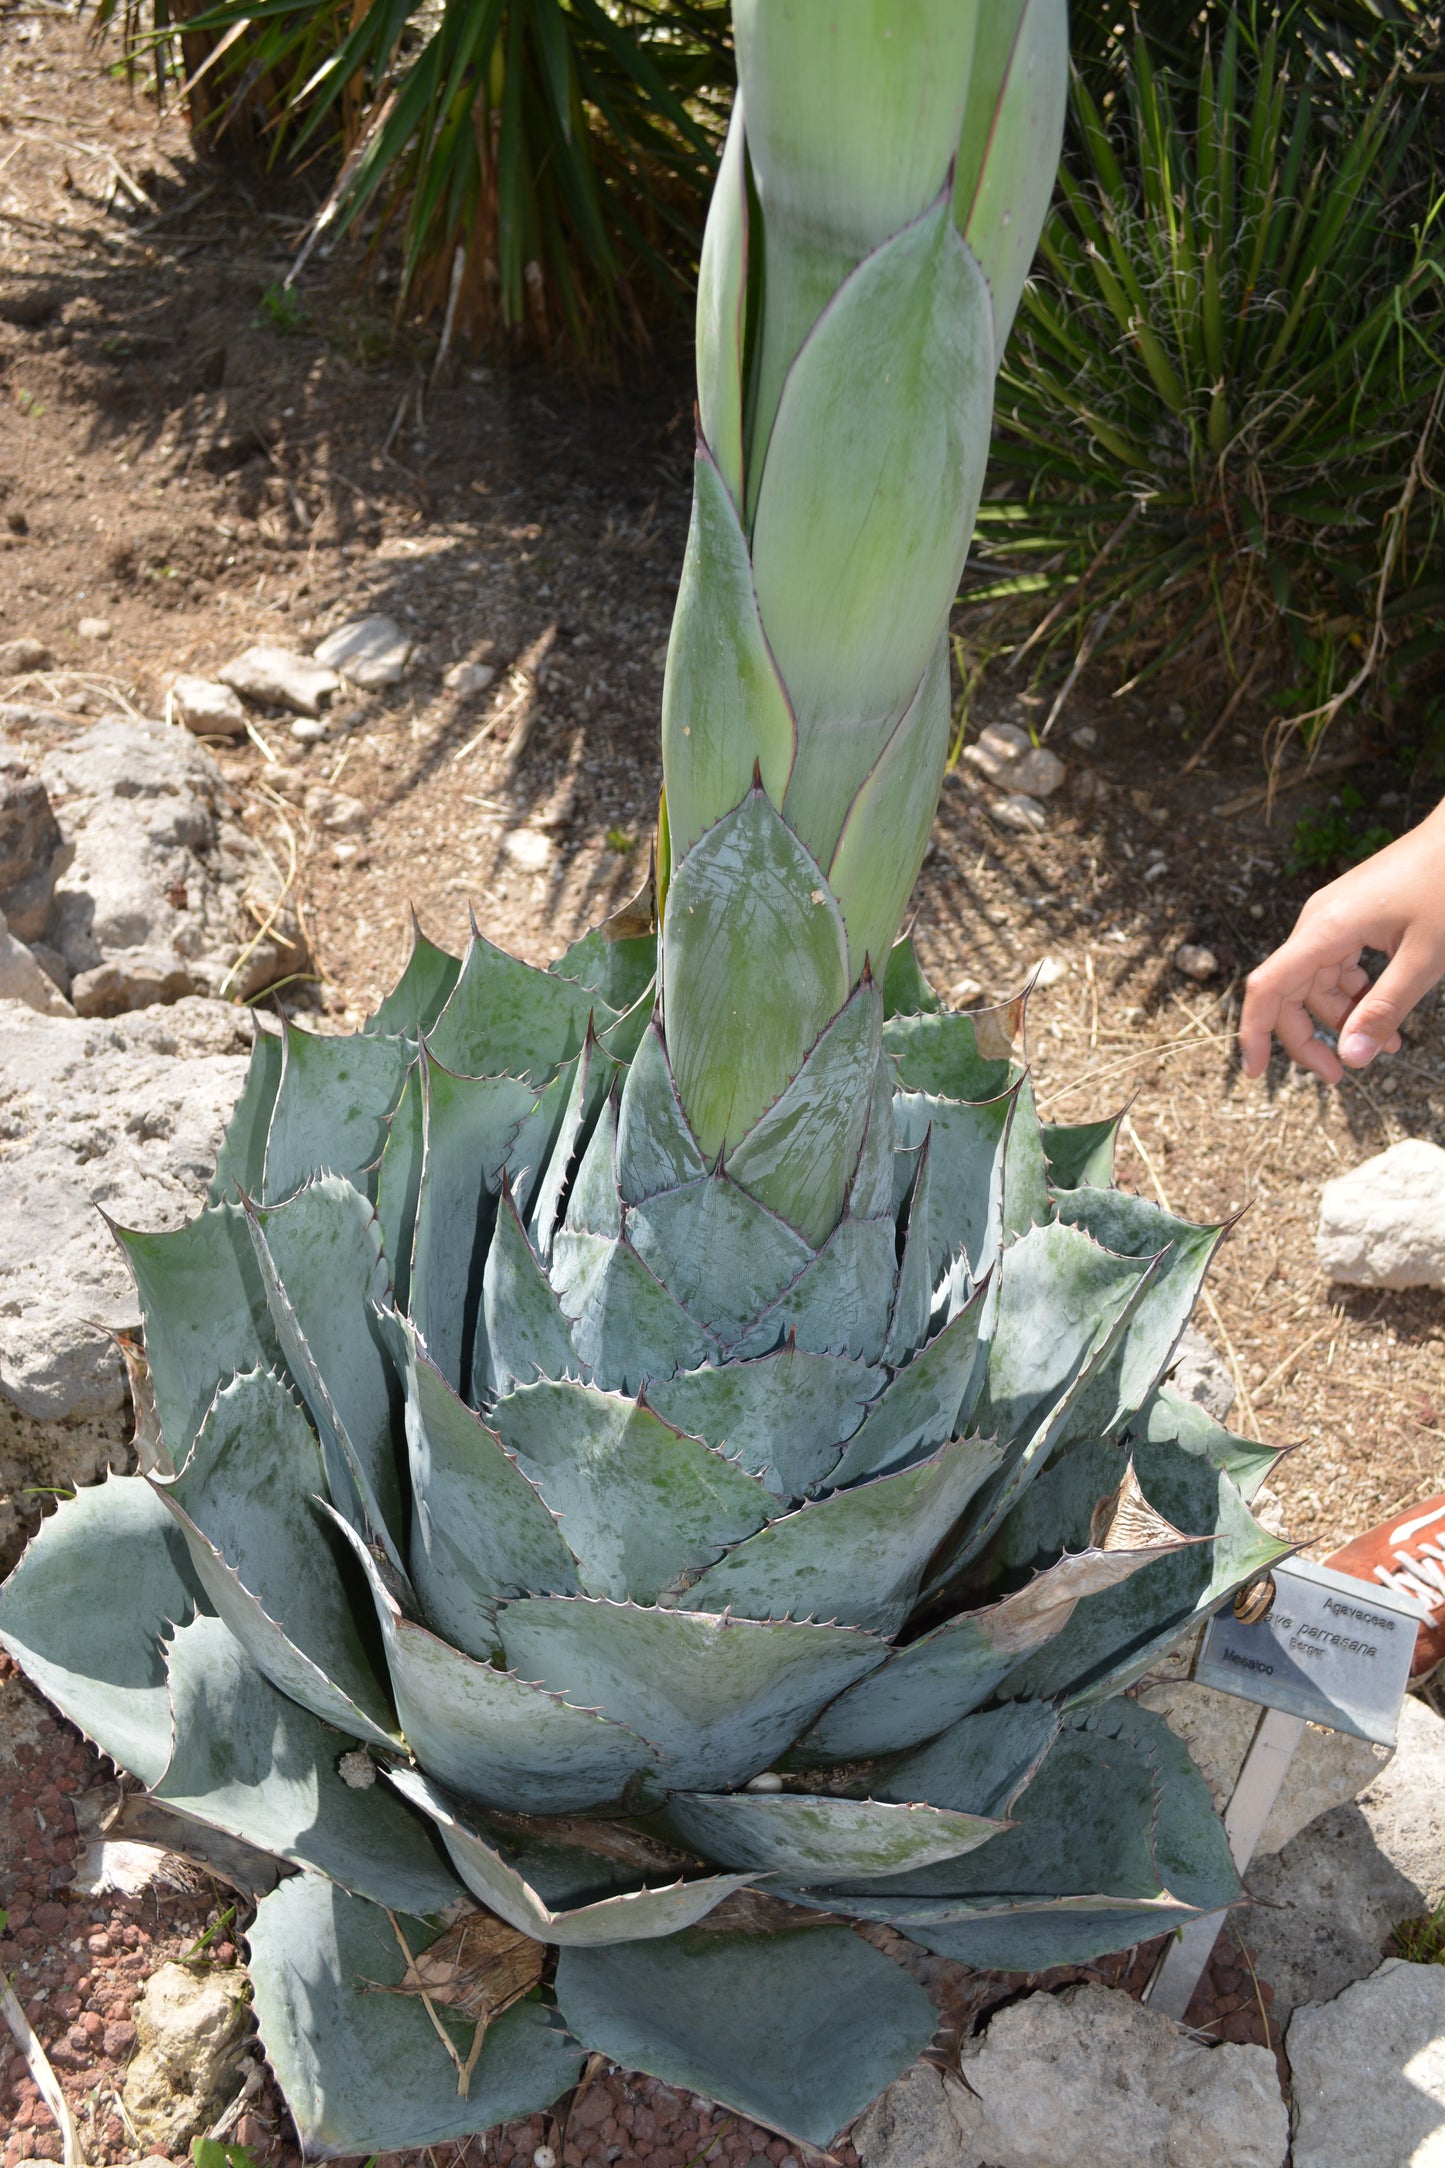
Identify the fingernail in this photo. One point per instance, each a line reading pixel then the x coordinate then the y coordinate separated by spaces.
pixel 1357 1048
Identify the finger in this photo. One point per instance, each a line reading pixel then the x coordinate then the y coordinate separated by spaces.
pixel 1296 1032
pixel 1373 1024
pixel 1258 1018
pixel 1329 1006
pixel 1311 952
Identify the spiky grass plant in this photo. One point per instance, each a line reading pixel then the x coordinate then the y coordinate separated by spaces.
pixel 653 1465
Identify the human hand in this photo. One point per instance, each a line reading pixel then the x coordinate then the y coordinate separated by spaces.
pixel 1395 901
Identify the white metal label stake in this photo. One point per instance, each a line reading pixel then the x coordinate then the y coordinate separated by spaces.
pixel 1329 1650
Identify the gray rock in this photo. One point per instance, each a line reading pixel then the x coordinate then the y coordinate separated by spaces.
pixel 52 963
pixel 334 810
pixel 371 651
pixel 1368 2072
pixel 466 678
pixel 1195 962
pixel 29 842
pixel 1328 1768
pixel 193 2030
pixel 309 729
pixel 275 678
pixel 209 709
pixel 19 656
pixel 1038 773
pixel 164 890
pixel 126 1114
pixel 995 750
pixel 1025 816
pixel 1326 1903
pixel 1072 2080
pixel 1201 1374
pixel 1383 1223
pixel 22 979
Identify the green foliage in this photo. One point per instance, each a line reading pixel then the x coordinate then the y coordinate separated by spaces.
pixel 559 152
pixel 217 2153
pixel 1334 838
pixel 1421 1941
pixel 281 309
pixel 1217 415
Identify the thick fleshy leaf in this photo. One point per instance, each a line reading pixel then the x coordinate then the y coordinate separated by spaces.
pixel 631 1916
pixel 655 1147
pixel 642 1507
pixel 1133 1227
pixel 724 709
pixel 624 1323
pixel 320 1258
pixel 939 1054
pixel 248 1760
pixel 800 1156
pixel 536 1141
pixel 870 1194
pixel 751 930
pixel 885 832
pixel 268 1561
pixel 524 1333
pixel 913 1294
pixel 720 1697
pixel 617 959
pixel 593 1077
pixel 361 2066
pixel 398 1183
pixel 1025 1199
pixel 784 1417
pixel 206 1316
pixel 479 1530
pixel 856 1556
pixel 978 1766
pixel 1081 1154
pixel 241 1161
pixel 922 1404
pixel 469 1125
pixel 332 1108
pixel 1009 149
pixel 494 1737
pixel 594 1204
pixel 798 2030
pixel 420 994
pixel 870 487
pixel 1167 1414
pixel 943 1676
pixel 906 991
pixel 966 1149
pixel 505 1017
pixel 721 303
pixel 839 1304
pixel 808 1839
pixel 718 1252
pixel 97 1655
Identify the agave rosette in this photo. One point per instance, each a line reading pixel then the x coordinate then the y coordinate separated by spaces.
pixel 679 1417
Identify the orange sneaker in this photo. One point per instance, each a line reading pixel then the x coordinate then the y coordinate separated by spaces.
pixel 1407 1556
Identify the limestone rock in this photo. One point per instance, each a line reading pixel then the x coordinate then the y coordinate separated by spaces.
pixel 527 849
pixel 1368 2072
pixel 1383 1223
pixel 209 709
pixel 164 891
pixel 94 628
pixel 334 810
pixel 1025 816
pixel 127 1114
pixel 995 749
pixel 466 678
pixel 22 979
pixel 371 651
pixel 1038 773
pixel 29 841
pixel 275 678
pixel 192 2029
pixel 1002 754
pixel 19 656
pixel 1329 1899
pixel 1072 2080
pixel 1201 1374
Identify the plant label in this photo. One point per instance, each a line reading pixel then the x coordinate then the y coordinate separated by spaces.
pixel 1328 1648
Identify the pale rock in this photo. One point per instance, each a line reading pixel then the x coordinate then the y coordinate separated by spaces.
pixel 1326 1903
pixel 1201 1374
pixel 1086 737
pixel 274 677
pixel 94 628
pixel 1195 961
pixel 1383 1223
pixel 209 709
pixel 1038 773
pixel 1025 816
pixel 527 849
pixel 1073 2080
pixel 22 979
pixel 309 729
pixel 193 2030
pixel 127 1114
pixel 371 651
pixel 29 845
pixel 466 678
pixel 52 963
pixel 1327 1769
pixel 1368 2072
pixel 1050 970
pixel 334 810
pixel 19 656
pixel 965 989
pixel 995 750
pixel 164 889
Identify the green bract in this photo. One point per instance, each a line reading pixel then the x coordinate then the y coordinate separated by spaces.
pixel 680 1412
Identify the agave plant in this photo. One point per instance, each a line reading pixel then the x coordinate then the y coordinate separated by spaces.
pixel 656 1468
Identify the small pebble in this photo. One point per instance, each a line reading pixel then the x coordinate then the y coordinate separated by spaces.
pixel 94 628
pixel 1025 816
pixel 1050 970
pixel 527 849
pixel 767 1781
pixel 466 678
pixel 1195 962
pixel 308 729
pixel 1086 737
pixel 544 2157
